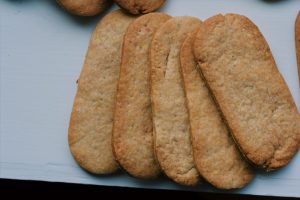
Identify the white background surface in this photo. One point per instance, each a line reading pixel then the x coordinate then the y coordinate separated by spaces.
pixel 41 54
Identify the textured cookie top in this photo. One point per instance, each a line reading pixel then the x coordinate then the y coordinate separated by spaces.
pixel 170 115
pixel 92 115
pixel 140 6
pixel 239 68
pixel 216 157
pixel 84 7
pixel 132 129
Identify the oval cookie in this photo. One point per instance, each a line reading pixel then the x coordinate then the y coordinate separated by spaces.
pixel 140 6
pixel 132 128
pixel 216 157
pixel 172 132
pixel 84 7
pixel 92 116
pixel 240 70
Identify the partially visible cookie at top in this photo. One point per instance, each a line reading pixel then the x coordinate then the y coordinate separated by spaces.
pixel 140 6
pixel 84 7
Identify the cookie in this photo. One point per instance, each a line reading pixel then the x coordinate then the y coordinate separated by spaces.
pixel 132 128
pixel 140 6
pixel 216 157
pixel 297 39
pixel 170 116
pixel 91 120
pixel 84 7
pixel 239 68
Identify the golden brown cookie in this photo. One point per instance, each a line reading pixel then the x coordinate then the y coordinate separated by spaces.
pixel 257 105
pixel 84 7
pixel 216 157
pixel 92 116
pixel 170 116
pixel 140 6
pixel 132 128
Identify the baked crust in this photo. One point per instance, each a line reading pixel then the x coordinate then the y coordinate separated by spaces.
pixel 84 7
pixel 132 128
pixel 91 120
pixel 216 157
pixel 140 6
pixel 170 116
pixel 256 103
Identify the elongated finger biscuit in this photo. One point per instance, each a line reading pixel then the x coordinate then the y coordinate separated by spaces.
pixel 297 40
pixel 170 115
pixel 92 116
pixel 216 156
pixel 240 70
pixel 132 129
pixel 84 7
pixel 140 6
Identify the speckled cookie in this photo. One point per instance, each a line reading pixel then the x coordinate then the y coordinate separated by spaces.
pixel 92 116
pixel 84 7
pixel 257 105
pixel 216 157
pixel 140 6
pixel 170 116
pixel 132 128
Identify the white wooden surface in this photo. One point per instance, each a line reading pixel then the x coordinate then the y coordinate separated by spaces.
pixel 41 53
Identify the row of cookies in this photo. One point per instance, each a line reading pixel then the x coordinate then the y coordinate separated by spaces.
pixel 176 95
pixel 95 7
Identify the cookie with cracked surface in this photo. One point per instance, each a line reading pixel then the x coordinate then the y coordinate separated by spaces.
pixel 92 115
pixel 132 129
pixel 256 103
pixel 140 6
pixel 216 157
pixel 170 116
pixel 84 7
